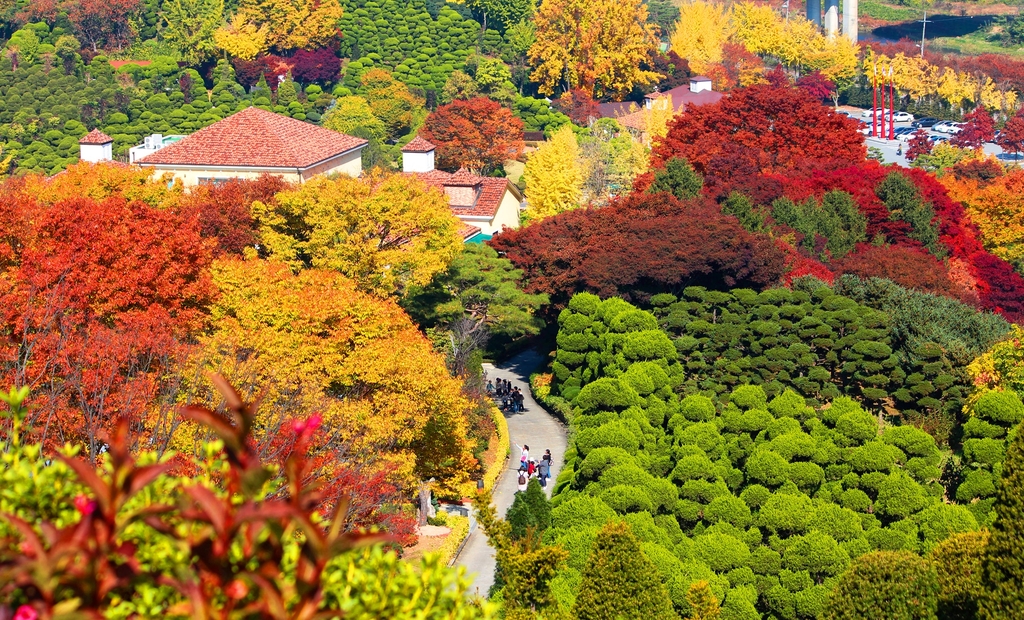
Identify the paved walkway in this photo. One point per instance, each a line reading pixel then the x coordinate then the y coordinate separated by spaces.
pixel 533 427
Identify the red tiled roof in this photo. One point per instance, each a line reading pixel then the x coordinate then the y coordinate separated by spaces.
pixel 492 190
pixel 95 137
pixel 683 96
pixel 699 78
pixel 468 230
pixel 418 145
pixel 255 138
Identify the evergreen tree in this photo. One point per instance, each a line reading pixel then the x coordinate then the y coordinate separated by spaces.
pixel 619 581
pixel 703 604
pixel 530 510
pixel 677 178
pixel 958 564
pixel 905 203
pixel 895 585
pixel 1002 580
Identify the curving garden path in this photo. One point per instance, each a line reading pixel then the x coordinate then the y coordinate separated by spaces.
pixel 534 427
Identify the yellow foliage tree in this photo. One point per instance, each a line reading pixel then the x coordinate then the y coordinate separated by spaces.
pixel 597 45
pixel 757 27
pixel 349 113
pixel 955 87
pixel 703 28
pixel 554 180
pixel 312 343
pixel 386 233
pixel 997 209
pixel 290 24
pixel 241 38
pixel 103 180
pixel 656 119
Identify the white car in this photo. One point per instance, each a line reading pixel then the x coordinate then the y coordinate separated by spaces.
pixel 955 128
pixel 942 126
pixel 903 117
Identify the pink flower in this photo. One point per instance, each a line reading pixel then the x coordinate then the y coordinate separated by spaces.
pixel 84 505
pixel 25 613
pixel 298 426
pixel 310 424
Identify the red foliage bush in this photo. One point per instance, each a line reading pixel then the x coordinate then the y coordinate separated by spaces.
pixel 224 213
pixel 908 267
pixel 319 65
pixel 772 129
pixel 578 105
pixel 639 246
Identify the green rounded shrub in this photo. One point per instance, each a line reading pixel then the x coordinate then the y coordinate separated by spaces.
pixel 895 585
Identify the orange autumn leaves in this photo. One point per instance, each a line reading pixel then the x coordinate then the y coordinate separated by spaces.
pixel 996 207
pixel 115 299
pixel 315 343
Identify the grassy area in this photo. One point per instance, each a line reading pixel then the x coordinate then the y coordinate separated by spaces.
pixel 972 45
pixel 889 13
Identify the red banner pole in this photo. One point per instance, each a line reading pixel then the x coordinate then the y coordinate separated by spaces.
pixel 892 107
pixel 874 103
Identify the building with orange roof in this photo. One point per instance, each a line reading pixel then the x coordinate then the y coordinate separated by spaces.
pixel 485 205
pixel 250 143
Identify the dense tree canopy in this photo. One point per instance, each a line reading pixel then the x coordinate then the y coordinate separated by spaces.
pixel 599 250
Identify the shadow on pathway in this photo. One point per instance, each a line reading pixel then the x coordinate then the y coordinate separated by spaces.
pixel 534 427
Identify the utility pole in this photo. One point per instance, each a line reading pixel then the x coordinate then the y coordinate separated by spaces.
pixel 924 22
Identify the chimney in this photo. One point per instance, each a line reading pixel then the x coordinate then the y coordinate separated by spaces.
pixel 96 146
pixel 418 156
pixel 699 83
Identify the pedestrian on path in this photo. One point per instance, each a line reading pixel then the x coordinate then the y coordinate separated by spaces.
pixel 522 480
pixel 544 470
pixel 524 455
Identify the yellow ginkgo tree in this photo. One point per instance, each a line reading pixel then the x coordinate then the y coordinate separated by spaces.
pixel 384 232
pixel 554 179
pixel 313 343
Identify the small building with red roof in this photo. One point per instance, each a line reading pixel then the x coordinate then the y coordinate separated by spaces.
pixel 95 147
pixel 250 143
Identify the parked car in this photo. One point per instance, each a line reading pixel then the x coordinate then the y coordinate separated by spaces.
pixel 942 126
pixel 904 134
pixel 902 117
pixel 936 139
pixel 924 123
pixel 955 128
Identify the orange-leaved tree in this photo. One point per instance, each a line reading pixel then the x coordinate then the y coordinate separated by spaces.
pixel 97 294
pixel 996 207
pixel 315 343
pixel 478 134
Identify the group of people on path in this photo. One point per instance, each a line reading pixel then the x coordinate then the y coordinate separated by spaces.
pixel 511 397
pixel 529 468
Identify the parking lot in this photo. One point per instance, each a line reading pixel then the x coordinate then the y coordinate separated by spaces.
pixel 889 148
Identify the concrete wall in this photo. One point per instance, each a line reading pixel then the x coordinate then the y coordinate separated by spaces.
pixel 347 163
pixel 506 216
pixel 350 164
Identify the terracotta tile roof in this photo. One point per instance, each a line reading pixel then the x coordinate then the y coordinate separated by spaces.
pixel 683 96
pixel 95 137
pixel 256 138
pixel 468 230
pixel 418 145
pixel 491 190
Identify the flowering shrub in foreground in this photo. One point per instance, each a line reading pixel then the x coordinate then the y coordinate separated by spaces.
pixel 240 539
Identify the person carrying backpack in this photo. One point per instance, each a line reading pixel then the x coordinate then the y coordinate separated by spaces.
pixel 522 480
pixel 544 470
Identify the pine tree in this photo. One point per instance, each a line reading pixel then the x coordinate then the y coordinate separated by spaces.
pixel 619 581
pixel 678 179
pixel 529 510
pixel 895 585
pixel 1002 596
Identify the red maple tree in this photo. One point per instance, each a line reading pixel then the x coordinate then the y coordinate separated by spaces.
pixel 97 296
pixel 578 105
pixel 909 267
pixel 773 129
pixel 224 211
pixel 1012 137
pixel 918 145
pixel 639 246
pixel 979 129
pixel 816 85
pixel 478 134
